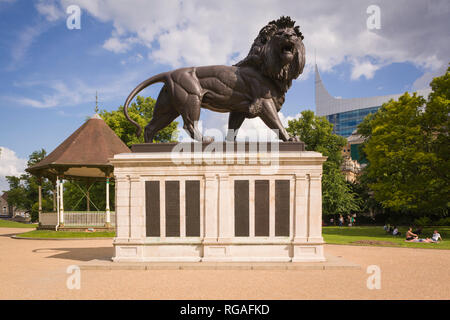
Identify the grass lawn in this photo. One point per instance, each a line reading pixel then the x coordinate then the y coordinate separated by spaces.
pixel 375 235
pixel 50 234
pixel 367 235
pixel 13 224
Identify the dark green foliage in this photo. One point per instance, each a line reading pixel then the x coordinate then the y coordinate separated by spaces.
pixel 23 191
pixel 140 111
pixel 75 195
pixel 408 149
pixel 317 133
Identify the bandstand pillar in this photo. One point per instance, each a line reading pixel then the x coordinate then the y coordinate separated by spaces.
pixel 40 194
pixel 61 202
pixel 108 211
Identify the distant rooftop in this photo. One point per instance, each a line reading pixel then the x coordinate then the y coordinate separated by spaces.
pixel 90 146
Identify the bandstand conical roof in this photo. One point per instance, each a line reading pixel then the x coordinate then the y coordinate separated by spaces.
pixel 84 154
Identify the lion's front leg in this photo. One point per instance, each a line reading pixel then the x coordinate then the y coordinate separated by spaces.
pixel 269 115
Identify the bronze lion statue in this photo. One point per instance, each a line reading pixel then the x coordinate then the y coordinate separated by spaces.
pixel 254 87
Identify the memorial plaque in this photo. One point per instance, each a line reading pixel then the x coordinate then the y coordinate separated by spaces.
pixel 152 209
pixel 192 188
pixel 172 208
pixel 262 219
pixel 241 208
pixel 282 198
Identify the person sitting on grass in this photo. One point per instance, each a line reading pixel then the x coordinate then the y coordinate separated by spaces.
pixel 436 236
pixel 410 236
pixel 396 232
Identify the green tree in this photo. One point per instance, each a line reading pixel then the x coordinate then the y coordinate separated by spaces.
pixel 407 146
pixel 317 133
pixel 142 112
pixel 23 190
pixel 36 157
pixel 75 195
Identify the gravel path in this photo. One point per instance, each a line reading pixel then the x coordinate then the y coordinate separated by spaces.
pixel 36 269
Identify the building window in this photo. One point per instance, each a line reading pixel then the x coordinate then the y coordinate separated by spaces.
pixel 4 210
pixel 345 123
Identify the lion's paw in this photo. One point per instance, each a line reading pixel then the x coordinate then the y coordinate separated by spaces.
pixel 294 139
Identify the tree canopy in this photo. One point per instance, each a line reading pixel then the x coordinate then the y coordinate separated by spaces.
pixel 142 112
pixel 317 133
pixel 23 190
pixel 407 146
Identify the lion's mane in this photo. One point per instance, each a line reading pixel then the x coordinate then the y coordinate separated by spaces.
pixel 262 55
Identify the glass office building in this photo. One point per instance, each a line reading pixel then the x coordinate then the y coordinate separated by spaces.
pixel 345 122
pixel 346 114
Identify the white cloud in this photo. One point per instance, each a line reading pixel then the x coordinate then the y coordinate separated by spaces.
pixel 424 81
pixel 25 39
pixel 56 93
pixel 10 165
pixel 114 45
pixel 199 32
pixel 216 125
pixel 50 10
pixel 256 129
pixel 364 68
pixel 119 46
pixel 132 59
pixel 182 33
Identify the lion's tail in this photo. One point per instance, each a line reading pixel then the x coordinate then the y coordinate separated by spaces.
pixel 157 78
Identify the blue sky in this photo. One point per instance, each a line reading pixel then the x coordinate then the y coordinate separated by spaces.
pixel 49 74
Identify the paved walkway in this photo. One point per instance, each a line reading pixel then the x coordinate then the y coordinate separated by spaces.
pixel 36 269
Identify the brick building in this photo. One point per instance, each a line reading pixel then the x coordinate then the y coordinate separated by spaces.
pixel 6 211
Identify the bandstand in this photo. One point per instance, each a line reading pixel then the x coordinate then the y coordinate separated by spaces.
pixel 81 157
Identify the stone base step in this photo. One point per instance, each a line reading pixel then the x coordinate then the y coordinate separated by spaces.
pixel 332 263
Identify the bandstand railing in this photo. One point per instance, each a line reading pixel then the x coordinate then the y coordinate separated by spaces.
pixel 78 218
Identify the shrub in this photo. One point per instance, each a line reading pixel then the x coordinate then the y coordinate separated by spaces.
pixel 47 206
pixel 443 221
pixel 423 221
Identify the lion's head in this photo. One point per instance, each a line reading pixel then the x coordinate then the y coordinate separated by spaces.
pixel 278 51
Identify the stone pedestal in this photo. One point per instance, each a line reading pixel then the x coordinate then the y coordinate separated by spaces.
pixel 219 202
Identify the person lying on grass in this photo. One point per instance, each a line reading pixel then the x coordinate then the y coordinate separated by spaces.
pixel 427 240
pixel 436 236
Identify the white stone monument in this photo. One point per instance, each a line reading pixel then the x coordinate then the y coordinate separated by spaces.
pixel 218 202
